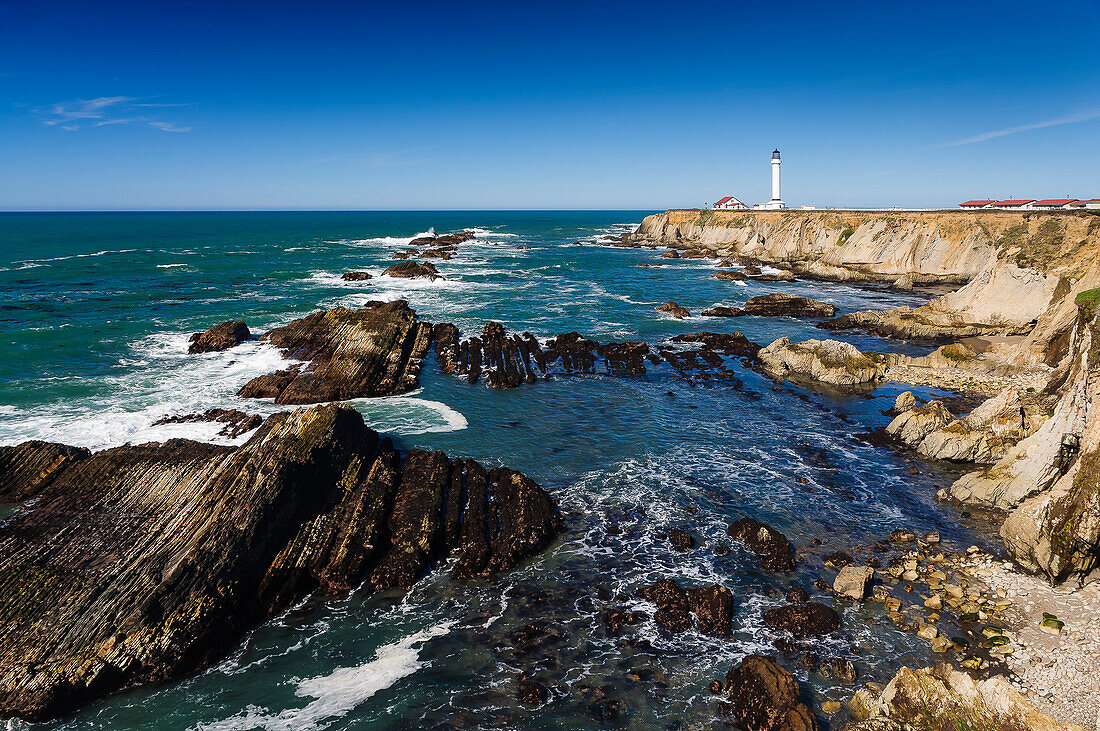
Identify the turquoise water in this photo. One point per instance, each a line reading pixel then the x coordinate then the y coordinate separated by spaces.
pixel 95 311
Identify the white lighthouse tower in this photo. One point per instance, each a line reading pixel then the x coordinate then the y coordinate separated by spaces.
pixel 776 201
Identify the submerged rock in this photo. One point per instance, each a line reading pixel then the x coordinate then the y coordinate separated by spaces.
pixel 803 620
pixel 711 605
pixel 143 563
pixel 762 695
pixel 220 337
pixel 770 545
pixel 374 351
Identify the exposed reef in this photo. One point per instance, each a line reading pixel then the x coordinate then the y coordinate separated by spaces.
pixel 143 563
pixel 373 351
pixel 220 337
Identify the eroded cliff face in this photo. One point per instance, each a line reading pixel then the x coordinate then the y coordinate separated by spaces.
pixel 141 563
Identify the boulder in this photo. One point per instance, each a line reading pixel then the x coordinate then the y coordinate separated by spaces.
pixel 853 581
pixel 220 337
pixel 711 605
pixel 770 545
pixel 723 312
pixel 762 695
pixel 355 276
pixel 373 351
pixel 413 270
pixel 904 402
pixel 803 620
pixel 144 563
pixel 826 361
pixel 681 540
pixel 734 276
pixel 674 309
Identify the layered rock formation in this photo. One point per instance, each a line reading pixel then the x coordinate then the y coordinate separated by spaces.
pixel 374 351
pixel 236 422
pixel 142 563
pixel 943 697
pixel 1050 480
pixel 825 361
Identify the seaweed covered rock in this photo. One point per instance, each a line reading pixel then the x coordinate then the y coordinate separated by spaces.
pixel 374 351
pixel 143 563
pixel 355 276
pixel 712 607
pixel 220 337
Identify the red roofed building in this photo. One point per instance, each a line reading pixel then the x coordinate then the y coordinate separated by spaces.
pixel 729 202
pixel 976 204
pixel 1051 203
pixel 1015 204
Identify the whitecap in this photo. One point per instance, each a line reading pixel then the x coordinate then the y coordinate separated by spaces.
pixel 341 691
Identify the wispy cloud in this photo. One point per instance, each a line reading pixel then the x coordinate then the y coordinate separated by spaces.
pixel 105 111
pixel 1064 119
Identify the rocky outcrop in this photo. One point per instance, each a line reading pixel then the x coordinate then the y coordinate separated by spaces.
pixel 762 695
pixel 413 270
pixel 776 305
pixel 236 422
pixel 374 351
pixel 674 309
pixel 825 361
pixel 142 563
pixel 773 548
pixel 355 276
pixel 220 337
pixel 942 697
pixel 507 361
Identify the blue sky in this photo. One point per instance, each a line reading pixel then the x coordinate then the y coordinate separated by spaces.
pixel 168 105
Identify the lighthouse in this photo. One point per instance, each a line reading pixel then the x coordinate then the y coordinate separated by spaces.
pixel 776 201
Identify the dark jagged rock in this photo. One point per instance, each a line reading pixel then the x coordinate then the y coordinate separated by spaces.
pixel 734 276
pixel 770 545
pixel 711 605
pixel 355 276
pixel 797 595
pixel 624 359
pixel 26 469
pixel 445 342
pixel 617 618
pixel 375 351
pixel 763 696
pixel 401 255
pixel 674 309
pixel 838 559
pixel 507 361
pixel 803 620
pixel 681 540
pixel 236 422
pixel 726 343
pixel 220 337
pixel 444 254
pixel 787 305
pixel 143 563
pixel 670 255
pixel 413 270
pixel 722 311
pixel 532 693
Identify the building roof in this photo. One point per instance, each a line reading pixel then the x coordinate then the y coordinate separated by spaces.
pixel 720 202
pixel 977 203
pixel 1055 201
pixel 1015 203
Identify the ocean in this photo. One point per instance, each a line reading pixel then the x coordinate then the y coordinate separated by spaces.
pixel 95 313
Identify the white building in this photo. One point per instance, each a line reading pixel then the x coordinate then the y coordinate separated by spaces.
pixel 729 202
pixel 777 201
